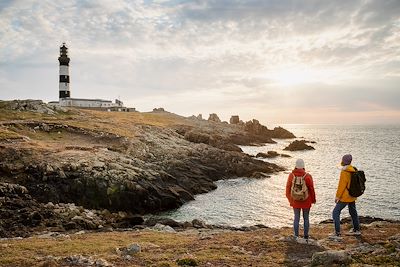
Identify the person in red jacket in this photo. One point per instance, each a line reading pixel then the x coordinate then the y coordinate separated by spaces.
pixel 299 171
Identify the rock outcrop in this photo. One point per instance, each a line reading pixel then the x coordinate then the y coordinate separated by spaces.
pixel 269 154
pixel 75 260
pixel 279 132
pixel 234 119
pixel 214 117
pixel 30 106
pixel 254 127
pixel 23 215
pixel 330 257
pixel 194 117
pixel 298 145
pixel 228 136
pixel 213 140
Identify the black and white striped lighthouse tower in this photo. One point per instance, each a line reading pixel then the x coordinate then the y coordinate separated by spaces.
pixel 64 73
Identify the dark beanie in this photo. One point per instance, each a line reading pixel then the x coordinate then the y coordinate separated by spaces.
pixel 346 159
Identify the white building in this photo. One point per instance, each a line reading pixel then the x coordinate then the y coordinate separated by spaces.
pixel 86 103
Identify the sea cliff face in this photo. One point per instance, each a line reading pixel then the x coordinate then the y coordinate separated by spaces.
pixel 132 162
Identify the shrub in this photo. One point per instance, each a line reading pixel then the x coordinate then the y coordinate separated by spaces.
pixel 187 262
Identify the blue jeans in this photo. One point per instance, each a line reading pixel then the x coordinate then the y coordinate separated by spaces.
pixel 353 213
pixel 306 219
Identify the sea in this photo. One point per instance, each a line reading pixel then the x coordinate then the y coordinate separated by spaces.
pixel 246 202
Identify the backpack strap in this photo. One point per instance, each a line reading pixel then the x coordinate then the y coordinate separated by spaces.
pixel 302 177
pixel 294 179
pixel 356 170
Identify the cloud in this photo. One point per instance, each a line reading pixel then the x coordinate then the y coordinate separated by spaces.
pixel 208 55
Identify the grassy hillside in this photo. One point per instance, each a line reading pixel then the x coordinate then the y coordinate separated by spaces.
pixel 119 123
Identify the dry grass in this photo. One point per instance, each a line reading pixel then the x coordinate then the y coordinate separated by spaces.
pixel 207 247
pixel 156 248
pixel 161 119
pixel 9 115
pixel 118 123
pixel 6 134
pixel 122 123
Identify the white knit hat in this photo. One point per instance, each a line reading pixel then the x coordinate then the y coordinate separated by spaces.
pixel 299 164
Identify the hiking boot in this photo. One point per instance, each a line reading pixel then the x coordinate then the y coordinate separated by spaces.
pixel 335 237
pixel 354 232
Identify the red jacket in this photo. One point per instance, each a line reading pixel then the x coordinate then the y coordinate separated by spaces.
pixel 306 204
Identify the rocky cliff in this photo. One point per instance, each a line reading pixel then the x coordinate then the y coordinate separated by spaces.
pixel 133 162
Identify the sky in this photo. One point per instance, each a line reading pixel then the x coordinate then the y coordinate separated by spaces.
pixel 278 61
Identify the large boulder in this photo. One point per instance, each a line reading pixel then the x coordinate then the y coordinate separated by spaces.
pixel 330 257
pixel 131 250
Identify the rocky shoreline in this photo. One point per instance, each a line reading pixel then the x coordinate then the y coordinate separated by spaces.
pixel 134 163
pixel 24 216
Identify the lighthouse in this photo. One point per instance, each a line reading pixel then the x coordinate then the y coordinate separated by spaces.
pixel 65 99
pixel 64 73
